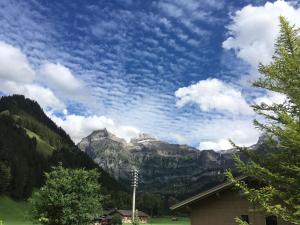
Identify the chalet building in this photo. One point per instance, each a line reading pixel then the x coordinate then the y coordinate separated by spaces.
pixel 103 220
pixel 127 216
pixel 220 205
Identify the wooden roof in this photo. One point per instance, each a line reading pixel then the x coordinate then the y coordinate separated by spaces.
pixel 204 194
pixel 128 213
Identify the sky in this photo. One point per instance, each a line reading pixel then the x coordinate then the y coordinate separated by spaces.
pixel 180 70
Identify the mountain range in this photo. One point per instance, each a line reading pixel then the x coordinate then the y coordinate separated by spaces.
pixel 168 169
pixel 31 143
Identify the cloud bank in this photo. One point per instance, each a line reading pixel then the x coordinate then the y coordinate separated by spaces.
pixel 213 95
pixel 254 29
pixel 81 126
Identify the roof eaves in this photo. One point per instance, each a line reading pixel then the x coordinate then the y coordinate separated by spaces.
pixel 204 194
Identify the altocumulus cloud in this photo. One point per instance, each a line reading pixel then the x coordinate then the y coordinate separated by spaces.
pixel 251 35
pixel 17 76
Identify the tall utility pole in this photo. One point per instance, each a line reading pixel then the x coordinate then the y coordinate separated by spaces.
pixel 135 177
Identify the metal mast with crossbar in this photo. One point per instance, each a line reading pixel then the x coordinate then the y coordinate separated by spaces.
pixel 135 177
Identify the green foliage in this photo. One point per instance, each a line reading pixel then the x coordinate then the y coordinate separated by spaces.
pixel 41 145
pixel 277 164
pixel 69 196
pixel 5 177
pixel 114 199
pixel 21 167
pixel 24 107
pixel 30 144
pixel 241 222
pixel 136 220
pixel 150 203
pixel 116 219
pixel 14 212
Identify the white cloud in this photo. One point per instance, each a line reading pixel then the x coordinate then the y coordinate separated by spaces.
pixel 14 65
pixel 215 133
pixel 221 144
pixel 254 29
pixel 61 78
pixel 78 126
pixel 103 28
pixel 17 77
pixel 213 95
pixel 270 98
pixel 44 96
pixel 188 12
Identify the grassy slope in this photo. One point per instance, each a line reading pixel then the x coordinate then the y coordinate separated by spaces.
pixel 42 146
pixel 13 213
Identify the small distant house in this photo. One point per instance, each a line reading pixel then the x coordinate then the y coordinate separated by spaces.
pixel 127 215
pixel 103 220
pixel 220 205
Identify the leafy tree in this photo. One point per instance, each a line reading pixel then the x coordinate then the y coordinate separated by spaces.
pixel 116 219
pixel 277 166
pixel 69 196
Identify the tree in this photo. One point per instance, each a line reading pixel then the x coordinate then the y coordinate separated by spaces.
pixel 277 166
pixel 69 196
pixel 5 177
pixel 116 219
pixel 150 203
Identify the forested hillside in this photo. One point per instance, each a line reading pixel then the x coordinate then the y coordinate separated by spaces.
pixel 31 143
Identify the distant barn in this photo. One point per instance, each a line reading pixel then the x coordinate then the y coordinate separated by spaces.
pixel 127 215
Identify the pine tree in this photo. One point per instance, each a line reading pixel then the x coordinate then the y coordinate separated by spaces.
pixel 5 177
pixel 277 167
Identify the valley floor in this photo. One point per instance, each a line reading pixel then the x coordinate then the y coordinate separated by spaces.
pixel 167 221
pixel 16 213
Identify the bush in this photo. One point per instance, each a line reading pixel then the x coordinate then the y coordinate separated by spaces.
pixel 116 219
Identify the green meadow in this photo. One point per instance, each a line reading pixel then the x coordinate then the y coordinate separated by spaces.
pixel 13 213
pixel 16 213
pixel 168 221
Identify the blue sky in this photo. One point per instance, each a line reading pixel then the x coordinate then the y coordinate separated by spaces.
pixel 177 69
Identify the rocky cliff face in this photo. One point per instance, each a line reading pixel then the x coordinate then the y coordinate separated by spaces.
pixel 165 168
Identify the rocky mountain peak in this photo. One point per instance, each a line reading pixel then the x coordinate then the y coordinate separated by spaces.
pixel 159 162
pixel 143 138
pixel 100 133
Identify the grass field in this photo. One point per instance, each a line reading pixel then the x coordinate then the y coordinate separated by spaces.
pixel 168 221
pixel 13 213
pixel 42 146
pixel 16 213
